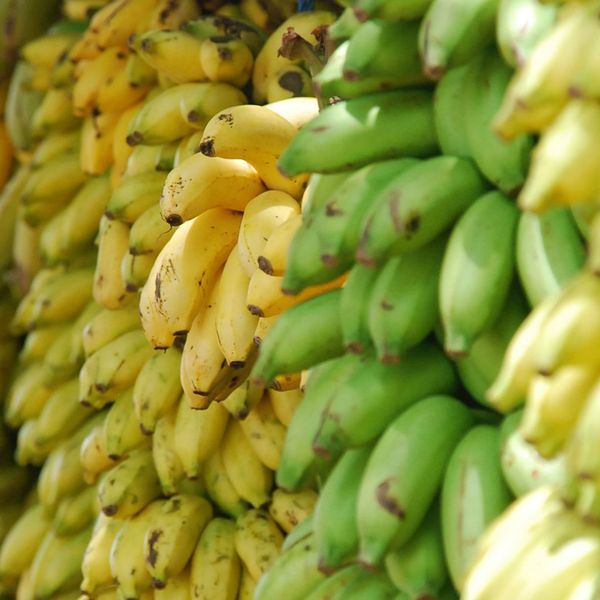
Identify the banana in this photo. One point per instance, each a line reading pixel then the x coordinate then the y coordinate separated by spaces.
pixel 37 341
pixel 26 395
pixel 168 52
pixel 299 464
pixel 344 26
pixel 520 25
pixel 172 16
pixel 113 368
pixel 335 527
pixel 61 415
pixel 485 272
pixel 134 195
pixel 121 150
pixel 226 59
pixel 54 114
pixel 416 206
pixel 149 233
pixel 523 468
pixel 250 478
pixel 293 575
pixel 200 183
pixel 347 421
pixel 418 568
pixel 300 533
pixel 400 64
pixel 453 33
pixel 289 509
pixel 407 111
pixel 127 557
pixel 220 488
pixel 403 304
pixel 198 434
pixel 75 513
pixel 262 215
pixel 177 588
pixel 20 544
pixel 336 583
pixel 106 326
pixel 135 269
pixel 144 159
pixel 273 258
pixel 171 538
pixel 202 360
pixel 178 110
pixel 478 370
pixel 157 388
pixel 264 433
pixel 257 135
pixel 390 10
pixel 257 541
pixel 75 227
pixel 93 455
pixel 9 205
pixel 470 502
pixel 566 178
pixel 56 566
pixel 285 403
pixel 288 350
pixel 122 432
pixel 168 465
pixel 95 566
pixel 391 507
pixel 298 110
pixel 319 189
pixel 108 286
pixel 129 486
pixel 192 258
pixel 215 569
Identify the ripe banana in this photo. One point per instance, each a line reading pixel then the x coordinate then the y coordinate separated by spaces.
pixel 149 233
pixel 108 325
pixel 133 195
pixel 169 467
pixel 273 258
pixel 122 432
pixel 289 509
pixel 75 513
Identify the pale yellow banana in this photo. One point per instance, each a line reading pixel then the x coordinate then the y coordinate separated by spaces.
pixel 167 463
pixel 121 429
pixel 285 403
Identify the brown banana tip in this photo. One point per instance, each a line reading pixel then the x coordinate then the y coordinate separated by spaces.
pixel 389 359
pixel 325 569
pixel 109 215
pixel 455 354
pixel 329 260
pixel 100 387
pixel 110 510
pixel 135 138
pixel 350 75
pixel 132 287
pixel 264 264
pixel 193 116
pixel 145 430
pixel 158 584
pixel 207 147
pixel 237 364
pixel 366 565
pixel 133 251
pixel 355 347
pixel 435 72
pixel 364 259
pixel 114 457
pixel 174 220
pixel 255 310
pixel 85 403
pixel 290 291
pixel 361 14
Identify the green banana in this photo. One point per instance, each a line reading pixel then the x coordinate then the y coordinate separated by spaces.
pixel 370 585
pixel 504 163
pixel 403 304
pixel 334 524
pixel 375 393
pixel 418 205
pixel 318 191
pixel 473 494
pixel 324 246
pixel 390 10
pixel 449 111
pixel 354 306
pixel 348 134
pixel 477 270
pixel 479 369
pixel 333 587
pixel 399 63
pixel 452 32
pixel 344 26
pixel 293 575
pixel 289 349
pixel 394 497
pixel 303 530
pixel 298 463
pixel 549 252
pixel 418 568
pixel 520 24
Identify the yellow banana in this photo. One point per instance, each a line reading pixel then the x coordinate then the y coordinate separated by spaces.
pixel 291 81
pixel 93 455
pixel 171 15
pixel 257 135
pixel 226 59
pixel 183 273
pixel 127 557
pixel 135 269
pixel 76 512
pixel 258 541
pixel 170 540
pixel 134 195
pixel 9 204
pixel 298 110
pixel 289 509
pixel 121 429
pixel 285 403
pixel 220 488
pixel 45 50
pixel 187 146
pixel 149 233
pixel 119 93
pixel 6 154
pixel 264 433
pixel 200 183
pixel 234 323
pixel 198 434
pixel 121 150
pixel 215 566
pixel 108 286
pixel 19 546
pixel 129 486
pixel 106 326
pixel 166 461
pixel 262 215
pixel 176 588
pixel 38 341
pixel 151 158
pixel 97 135
pixel 157 388
pixel 26 258
pixel 26 452
pixel 169 53
pixel 250 478
pixel 95 566
pixel 26 396
pixel 113 368
pixel 54 114
pixel 247 584
pixel 54 145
